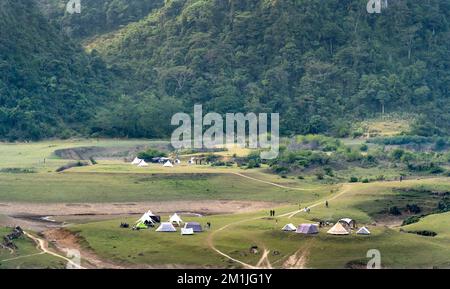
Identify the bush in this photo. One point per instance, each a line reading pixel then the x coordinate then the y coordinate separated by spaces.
pixel 17 171
pixel 414 208
pixel 397 154
pixel 320 175
pixel 72 165
pixel 365 181
pixel 253 164
pixel 424 233
pixel 148 155
pixel 353 179
pixel 222 164
pixel 411 220
pixel 363 148
pixel 328 171
pixel 395 211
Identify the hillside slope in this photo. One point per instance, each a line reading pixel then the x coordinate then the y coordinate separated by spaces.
pixel 321 64
pixel 48 85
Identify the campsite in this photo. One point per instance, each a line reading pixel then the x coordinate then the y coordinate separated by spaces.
pixel 85 207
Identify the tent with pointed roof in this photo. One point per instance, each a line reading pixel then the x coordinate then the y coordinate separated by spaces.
pixel 338 229
pixel 168 164
pixel 175 219
pixel 166 227
pixel 363 231
pixel 136 161
pixel 307 229
pixel 142 164
pixel 348 222
pixel 289 228
pixel 147 218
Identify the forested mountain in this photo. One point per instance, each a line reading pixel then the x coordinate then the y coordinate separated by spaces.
pixel 320 64
pixel 98 16
pixel 48 85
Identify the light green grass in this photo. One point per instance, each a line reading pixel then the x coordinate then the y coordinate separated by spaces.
pixel 101 187
pixel 32 155
pixel 398 249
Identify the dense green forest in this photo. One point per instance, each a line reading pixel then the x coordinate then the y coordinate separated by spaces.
pixel 98 16
pixel 48 85
pixel 321 64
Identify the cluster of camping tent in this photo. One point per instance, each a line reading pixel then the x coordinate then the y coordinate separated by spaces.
pixel 165 161
pixel 342 227
pixel 151 220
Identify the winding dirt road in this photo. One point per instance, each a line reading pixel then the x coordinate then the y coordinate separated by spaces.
pixel 302 259
pixel 43 246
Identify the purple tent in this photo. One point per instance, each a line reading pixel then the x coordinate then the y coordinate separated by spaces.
pixel 307 229
pixel 195 226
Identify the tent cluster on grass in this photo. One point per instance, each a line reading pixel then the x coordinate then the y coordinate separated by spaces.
pixel 140 163
pixel 342 227
pixel 166 162
pixel 307 229
pixel 149 220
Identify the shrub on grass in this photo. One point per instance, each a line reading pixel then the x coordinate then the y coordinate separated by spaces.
pixel 414 208
pixel 395 211
pixel 363 148
pixel 425 233
pixel 148 155
pixel 72 165
pixel 365 181
pixel 353 179
pixel 17 171
pixel 411 220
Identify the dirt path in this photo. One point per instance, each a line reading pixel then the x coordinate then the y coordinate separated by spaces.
pixel 264 260
pixel 42 245
pixel 345 189
pixel 73 209
pixel 299 261
pixel 270 183
pixel 66 241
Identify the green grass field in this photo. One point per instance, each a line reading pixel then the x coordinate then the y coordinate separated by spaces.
pixel 116 181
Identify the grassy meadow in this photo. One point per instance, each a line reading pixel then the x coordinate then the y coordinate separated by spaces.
pixel 26 178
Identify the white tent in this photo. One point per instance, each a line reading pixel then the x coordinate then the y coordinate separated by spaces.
pixel 338 229
pixel 187 231
pixel 168 164
pixel 177 161
pixel 191 161
pixel 142 164
pixel 175 219
pixel 289 227
pixel 348 222
pixel 363 231
pixel 166 227
pixel 146 217
pixel 136 161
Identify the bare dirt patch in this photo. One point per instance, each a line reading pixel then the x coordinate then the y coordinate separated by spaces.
pixel 201 207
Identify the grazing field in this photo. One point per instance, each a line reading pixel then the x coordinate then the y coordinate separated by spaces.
pixel 234 235
pixel 27 180
pixel 104 187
